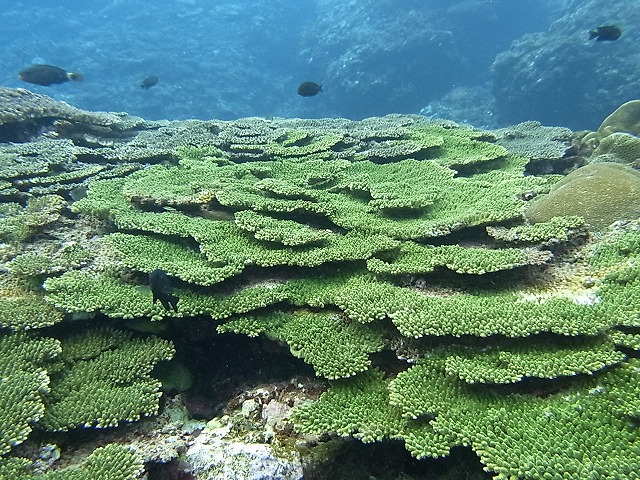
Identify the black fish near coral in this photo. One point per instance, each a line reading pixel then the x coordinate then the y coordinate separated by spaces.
pixel 606 32
pixel 309 89
pixel 46 75
pixel 149 82
pixel 162 290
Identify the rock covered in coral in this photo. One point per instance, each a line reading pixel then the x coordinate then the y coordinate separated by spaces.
pixel 254 440
pixel 530 79
pixel 212 457
pixel 20 105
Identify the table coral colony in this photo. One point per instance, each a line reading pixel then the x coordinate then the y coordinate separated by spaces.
pixel 340 239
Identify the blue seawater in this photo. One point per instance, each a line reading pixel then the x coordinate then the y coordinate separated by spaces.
pixel 234 58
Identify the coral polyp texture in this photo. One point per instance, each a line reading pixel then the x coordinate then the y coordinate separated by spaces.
pixel 353 243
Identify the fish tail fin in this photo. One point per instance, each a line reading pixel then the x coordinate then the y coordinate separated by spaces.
pixel 172 300
pixel 76 77
pixel 593 34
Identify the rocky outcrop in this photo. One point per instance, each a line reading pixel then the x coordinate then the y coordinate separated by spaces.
pixel 559 77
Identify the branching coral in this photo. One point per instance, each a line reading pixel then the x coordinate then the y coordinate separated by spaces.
pixel 104 381
pixel 23 383
pixel 343 239
pixel 335 347
pixel 111 462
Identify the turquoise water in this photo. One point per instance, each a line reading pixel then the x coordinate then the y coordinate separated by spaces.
pixel 235 58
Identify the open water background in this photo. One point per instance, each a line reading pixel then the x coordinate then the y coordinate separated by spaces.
pixel 234 58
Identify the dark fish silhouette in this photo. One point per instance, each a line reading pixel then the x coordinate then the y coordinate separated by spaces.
pixel 606 32
pixel 309 89
pixel 46 75
pixel 149 82
pixel 162 290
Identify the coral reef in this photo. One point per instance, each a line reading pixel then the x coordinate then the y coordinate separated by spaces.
pixel 618 147
pixel 390 256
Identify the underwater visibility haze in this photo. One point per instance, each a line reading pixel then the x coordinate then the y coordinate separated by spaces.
pixel 320 239
pixel 229 59
pixel 489 63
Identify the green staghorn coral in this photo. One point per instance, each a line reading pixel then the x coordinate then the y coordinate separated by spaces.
pixel 581 432
pixel 457 146
pixel 285 232
pixel 27 312
pixel 18 223
pixel 146 253
pixel 508 363
pixel 30 264
pixel 415 258
pixel 357 407
pixel 558 229
pixel 565 430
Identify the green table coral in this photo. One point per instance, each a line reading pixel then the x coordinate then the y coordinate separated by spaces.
pixel 104 382
pixel 335 347
pixel 344 239
pixel 111 462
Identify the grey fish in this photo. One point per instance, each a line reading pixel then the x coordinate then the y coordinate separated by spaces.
pixel 46 75
pixel 149 82
pixel 309 89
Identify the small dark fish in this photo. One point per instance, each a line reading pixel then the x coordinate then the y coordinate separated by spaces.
pixel 149 82
pixel 309 89
pixel 162 290
pixel 606 32
pixel 46 75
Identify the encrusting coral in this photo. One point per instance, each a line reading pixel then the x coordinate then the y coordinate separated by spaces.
pixel 345 240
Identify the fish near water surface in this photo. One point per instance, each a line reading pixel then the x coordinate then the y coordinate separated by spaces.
pixel 605 33
pixel 309 89
pixel 162 290
pixel 46 75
